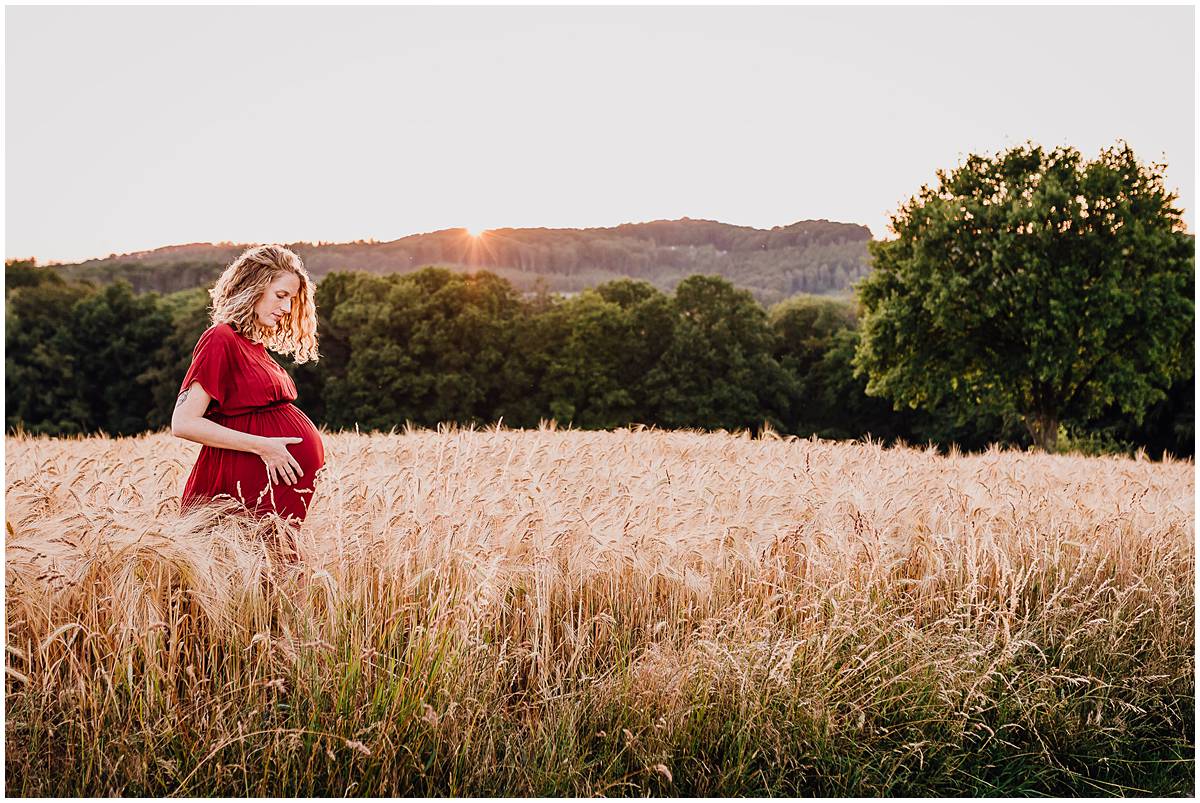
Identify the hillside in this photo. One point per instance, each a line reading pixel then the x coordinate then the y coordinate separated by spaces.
pixel 812 256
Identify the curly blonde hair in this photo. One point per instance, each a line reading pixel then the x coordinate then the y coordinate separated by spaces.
pixel 241 286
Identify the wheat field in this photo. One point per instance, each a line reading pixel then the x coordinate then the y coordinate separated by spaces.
pixel 638 612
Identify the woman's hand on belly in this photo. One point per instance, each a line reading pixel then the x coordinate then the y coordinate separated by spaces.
pixel 282 466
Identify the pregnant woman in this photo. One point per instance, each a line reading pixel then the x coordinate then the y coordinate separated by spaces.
pixel 259 449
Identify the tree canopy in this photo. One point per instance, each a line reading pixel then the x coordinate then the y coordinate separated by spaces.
pixel 1033 285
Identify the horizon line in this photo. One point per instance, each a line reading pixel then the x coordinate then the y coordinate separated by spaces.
pixel 54 262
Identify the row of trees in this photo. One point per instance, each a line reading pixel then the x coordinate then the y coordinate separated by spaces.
pixel 438 345
pixel 1022 295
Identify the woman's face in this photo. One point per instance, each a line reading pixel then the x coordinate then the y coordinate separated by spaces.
pixel 276 302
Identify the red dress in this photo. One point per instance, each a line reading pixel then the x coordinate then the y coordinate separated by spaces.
pixel 250 393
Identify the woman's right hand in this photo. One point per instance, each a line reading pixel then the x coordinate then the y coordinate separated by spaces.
pixel 281 466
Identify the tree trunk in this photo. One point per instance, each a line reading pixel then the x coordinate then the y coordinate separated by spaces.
pixel 1043 427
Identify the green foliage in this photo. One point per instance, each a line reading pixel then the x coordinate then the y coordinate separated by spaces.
pixel 835 404
pixel 816 341
pixel 1033 285
pixel 77 360
pixel 437 345
pixel 424 347
pixel 26 273
pixel 116 335
pixel 187 311
pixel 43 382
pixel 581 379
pixel 718 370
pixel 806 326
pixel 604 345
pixel 1091 443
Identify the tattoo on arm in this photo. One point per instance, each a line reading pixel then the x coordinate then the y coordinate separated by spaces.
pixel 182 397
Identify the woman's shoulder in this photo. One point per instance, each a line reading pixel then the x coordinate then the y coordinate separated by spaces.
pixel 220 333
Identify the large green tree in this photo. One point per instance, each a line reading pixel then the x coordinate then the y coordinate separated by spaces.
pixel 1032 284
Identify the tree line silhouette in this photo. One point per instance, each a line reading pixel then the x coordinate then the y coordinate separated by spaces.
pixel 437 345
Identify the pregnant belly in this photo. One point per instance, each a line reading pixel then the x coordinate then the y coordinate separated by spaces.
pixel 243 476
pixel 285 421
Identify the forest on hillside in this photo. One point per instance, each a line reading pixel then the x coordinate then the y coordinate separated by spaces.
pixel 813 257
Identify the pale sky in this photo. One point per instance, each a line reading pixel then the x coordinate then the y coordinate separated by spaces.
pixel 129 128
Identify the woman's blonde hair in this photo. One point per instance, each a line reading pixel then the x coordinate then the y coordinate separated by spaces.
pixel 243 283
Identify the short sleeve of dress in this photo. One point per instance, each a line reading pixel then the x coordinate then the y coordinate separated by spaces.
pixel 212 363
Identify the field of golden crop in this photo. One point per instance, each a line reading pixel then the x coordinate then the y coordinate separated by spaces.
pixel 547 612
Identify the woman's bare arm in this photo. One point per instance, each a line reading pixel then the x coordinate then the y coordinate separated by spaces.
pixel 188 422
